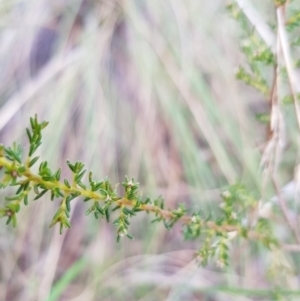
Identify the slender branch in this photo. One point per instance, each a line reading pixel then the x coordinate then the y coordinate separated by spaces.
pixel 123 201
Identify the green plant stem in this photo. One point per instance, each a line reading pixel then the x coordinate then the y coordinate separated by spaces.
pixel 123 201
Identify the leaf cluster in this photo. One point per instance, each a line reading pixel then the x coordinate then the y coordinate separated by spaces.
pixel 104 200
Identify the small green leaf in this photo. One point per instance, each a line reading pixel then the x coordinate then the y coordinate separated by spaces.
pixel 118 238
pixel 67 183
pixel 116 222
pixel 103 192
pixel 79 176
pixel 72 196
pixel 20 189
pixel 90 176
pixel 44 124
pixel 21 169
pixel 156 220
pixel 97 186
pixel 33 161
pixel 167 225
pixel 14 197
pixel 18 207
pixel 34 147
pixel 129 236
pixel 14 155
pixel 89 211
pixel 99 208
pixel 67 223
pixel 78 167
pixel 8 220
pixel 137 203
pixel 43 166
pixel 59 192
pixel 116 208
pixel 40 194
pixel 12 207
pixel 72 167
pixel 68 205
pixel 26 200
pixel 82 185
pixel 32 123
pixel 75 194
pixel 107 214
pixel 57 214
pixel 128 211
pixel 29 135
pixel 57 175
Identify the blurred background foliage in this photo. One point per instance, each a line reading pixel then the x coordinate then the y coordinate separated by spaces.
pixel 136 87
